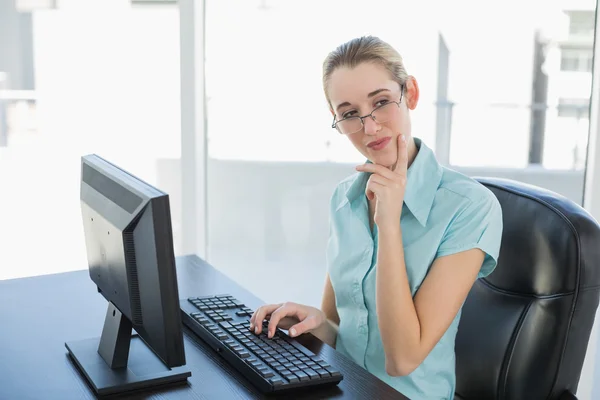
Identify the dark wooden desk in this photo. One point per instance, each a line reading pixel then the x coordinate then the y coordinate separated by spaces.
pixel 37 316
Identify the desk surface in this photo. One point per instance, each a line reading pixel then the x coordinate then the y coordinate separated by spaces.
pixel 39 314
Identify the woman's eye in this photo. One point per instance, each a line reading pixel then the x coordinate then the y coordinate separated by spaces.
pixel 348 114
pixel 381 102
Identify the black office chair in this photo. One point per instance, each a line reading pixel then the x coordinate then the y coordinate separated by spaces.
pixel 524 329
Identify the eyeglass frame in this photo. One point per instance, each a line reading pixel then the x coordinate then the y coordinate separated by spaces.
pixel 333 125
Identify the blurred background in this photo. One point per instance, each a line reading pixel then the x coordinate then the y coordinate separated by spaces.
pixel 505 91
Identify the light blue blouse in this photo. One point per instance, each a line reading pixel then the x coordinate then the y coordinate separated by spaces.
pixel 444 212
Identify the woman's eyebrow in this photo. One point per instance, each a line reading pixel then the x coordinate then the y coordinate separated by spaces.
pixel 373 93
pixel 376 92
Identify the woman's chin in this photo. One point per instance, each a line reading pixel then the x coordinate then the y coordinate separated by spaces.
pixel 385 160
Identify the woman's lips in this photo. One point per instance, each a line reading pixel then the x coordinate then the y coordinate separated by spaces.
pixel 380 143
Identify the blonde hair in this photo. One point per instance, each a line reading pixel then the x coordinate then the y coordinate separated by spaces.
pixel 360 50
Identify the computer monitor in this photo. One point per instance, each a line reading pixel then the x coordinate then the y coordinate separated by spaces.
pixel 129 244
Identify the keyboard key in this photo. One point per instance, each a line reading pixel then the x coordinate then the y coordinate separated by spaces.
pixel 312 374
pixel 306 352
pixel 276 381
pixel 226 325
pixel 281 369
pixel 302 376
pixel 267 374
pixel 322 373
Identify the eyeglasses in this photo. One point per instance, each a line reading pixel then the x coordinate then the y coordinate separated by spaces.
pixel 380 115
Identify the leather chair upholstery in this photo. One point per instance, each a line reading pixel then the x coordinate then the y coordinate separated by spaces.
pixel 524 329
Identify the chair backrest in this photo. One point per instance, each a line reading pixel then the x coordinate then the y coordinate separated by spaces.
pixel 524 329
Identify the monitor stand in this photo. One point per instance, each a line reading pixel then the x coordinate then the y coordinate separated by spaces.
pixel 119 361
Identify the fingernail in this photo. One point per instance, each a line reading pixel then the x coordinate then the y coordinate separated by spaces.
pixel 251 326
pixel 292 332
pixel 403 138
pixel 256 330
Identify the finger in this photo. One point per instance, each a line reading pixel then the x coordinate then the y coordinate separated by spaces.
pixel 402 161
pixel 373 188
pixel 376 169
pixel 288 309
pixel 253 318
pixel 287 322
pixel 373 180
pixel 303 326
pixel 382 180
pixel 260 314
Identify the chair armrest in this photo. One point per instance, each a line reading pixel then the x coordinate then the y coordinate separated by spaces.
pixel 566 395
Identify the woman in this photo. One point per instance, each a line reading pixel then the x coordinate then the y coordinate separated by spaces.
pixel 408 237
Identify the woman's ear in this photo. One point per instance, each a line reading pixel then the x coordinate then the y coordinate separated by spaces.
pixel 411 92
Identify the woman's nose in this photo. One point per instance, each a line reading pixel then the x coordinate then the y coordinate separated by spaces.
pixel 371 127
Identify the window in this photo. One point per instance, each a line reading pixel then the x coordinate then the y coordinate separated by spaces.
pixel 577 60
pixel 273 159
pixel 114 92
pixel 581 23
pixel 574 108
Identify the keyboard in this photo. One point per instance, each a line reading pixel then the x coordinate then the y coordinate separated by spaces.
pixel 271 364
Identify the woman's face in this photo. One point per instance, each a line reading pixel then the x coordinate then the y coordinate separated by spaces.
pixel 356 92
